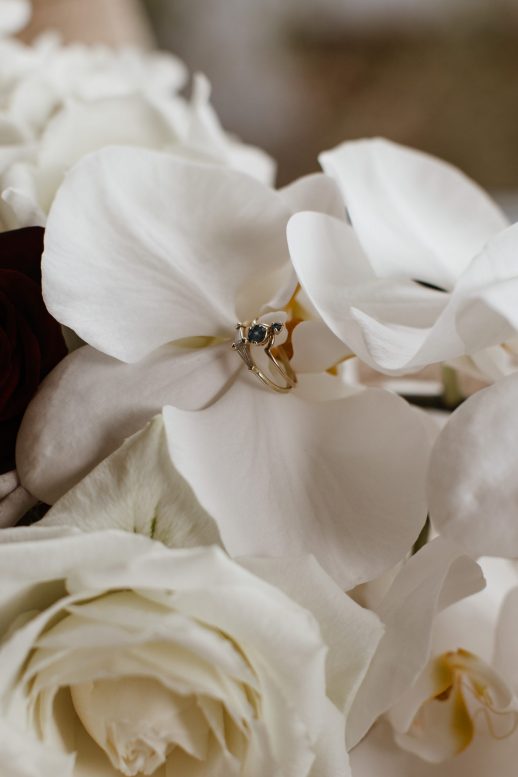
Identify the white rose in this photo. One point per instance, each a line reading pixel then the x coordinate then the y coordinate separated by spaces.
pixel 59 103
pixel 14 15
pixel 122 656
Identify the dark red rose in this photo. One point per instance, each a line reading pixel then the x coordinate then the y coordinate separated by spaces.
pixel 31 343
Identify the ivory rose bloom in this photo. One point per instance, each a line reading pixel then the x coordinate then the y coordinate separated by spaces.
pixel 58 103
pixel 123 657
pixel 14 15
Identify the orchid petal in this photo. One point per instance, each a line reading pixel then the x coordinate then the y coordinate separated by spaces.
pixel 90 403
pixel 143 248
pixel 378 754
pixel 473 488
pixel 282 476
pixel 398 325
pixel 315 192
pixel 506 640
pixel 316 348
pixel 416 216
pixel 385 322
pixel 437 576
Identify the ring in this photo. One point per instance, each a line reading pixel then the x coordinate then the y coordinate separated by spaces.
pixel 256 334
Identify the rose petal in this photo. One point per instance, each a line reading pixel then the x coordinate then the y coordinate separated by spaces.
pixel 14 15
pixel 24 756
pixel 137 489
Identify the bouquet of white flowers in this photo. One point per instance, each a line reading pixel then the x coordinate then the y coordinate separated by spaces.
pixel 239 554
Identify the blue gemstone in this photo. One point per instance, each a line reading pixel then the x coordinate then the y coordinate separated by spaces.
pixel 257 333
pixel 277 326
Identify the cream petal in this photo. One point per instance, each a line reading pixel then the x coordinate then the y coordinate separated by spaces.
pixel 283 476
pixel 14 15
pixel 80 128
pixel 437 576
pixel 14 505
pixel 416 216
pixel 137 489
pixel 472 481
pixel 143 248
pixel 22 755
pixel 90 403
pixel 330 754
pixel 350 632
pixel 235 602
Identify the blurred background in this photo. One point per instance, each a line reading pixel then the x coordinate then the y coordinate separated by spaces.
pixel 299 76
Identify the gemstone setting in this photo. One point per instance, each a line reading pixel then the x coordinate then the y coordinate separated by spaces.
pixel 257 334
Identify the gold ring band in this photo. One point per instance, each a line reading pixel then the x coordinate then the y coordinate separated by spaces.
pixel 255 333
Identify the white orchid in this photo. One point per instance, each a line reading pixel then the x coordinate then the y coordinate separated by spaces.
pixel 473 488
pixel 431 580
pixel 460 714
pixel 122 656
pixel 153 260
pixel 427 273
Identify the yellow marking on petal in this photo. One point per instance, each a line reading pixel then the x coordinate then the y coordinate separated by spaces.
pixel 200 341
pixel 464 688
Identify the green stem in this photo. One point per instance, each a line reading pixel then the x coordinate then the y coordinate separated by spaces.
pixel 451 393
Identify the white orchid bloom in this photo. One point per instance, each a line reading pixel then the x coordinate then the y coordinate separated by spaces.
pixel 123 657
pixel 427 273
pixel 473 488
pixel 14 15
pixel 148 256
pixel 434 578
pixel 460 715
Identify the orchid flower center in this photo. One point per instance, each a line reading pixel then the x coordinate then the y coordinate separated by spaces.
pixel 466 689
